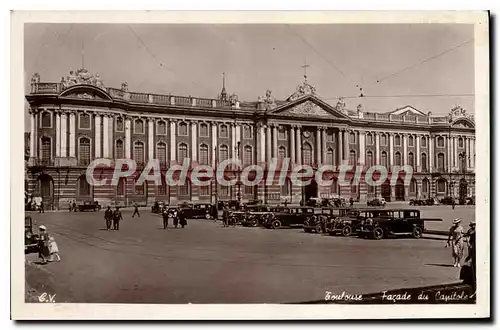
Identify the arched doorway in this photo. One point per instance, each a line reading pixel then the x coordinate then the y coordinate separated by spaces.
pixel 400 190
pixel 425 189
pixel 385 190
pixel 46 188
pixel 462 189
pixel 311 190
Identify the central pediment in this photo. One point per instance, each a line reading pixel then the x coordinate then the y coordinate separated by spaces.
pixel 308 107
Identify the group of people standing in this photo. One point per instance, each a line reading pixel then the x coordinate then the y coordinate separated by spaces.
pixel 177 215
pixel 459 239
pixel 113 217
pixel 47 246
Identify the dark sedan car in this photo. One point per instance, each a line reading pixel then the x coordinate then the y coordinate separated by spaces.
pixel 205 211
pixel 289 217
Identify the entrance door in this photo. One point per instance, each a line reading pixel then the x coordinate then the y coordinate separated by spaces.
pixel 311 190
pixel 386 191
pixel 462 192
pixel 400 190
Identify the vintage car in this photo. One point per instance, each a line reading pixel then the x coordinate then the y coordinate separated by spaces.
pixel 417 202
pixel 30 238
pixel 255 215
pixel 376 202
pixel 449 200
pixel 467 201
pixel 321 220
pixel 89 206
pixel 288 217
pixel 206 211
pixel 394 222
pixel 349 221
pixel 318 202
pixel 158 207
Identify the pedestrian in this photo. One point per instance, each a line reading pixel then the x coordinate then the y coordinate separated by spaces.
pixel 165 218
pixel 456 237
pixel 286 202
pixel 471 256
pixel 74 206
pixel 53 250
pixel 183 220
pixel 117 216
pixel 136 211
pixel 41 210
pixel 176 218
pixel 351 201
pixel 43 244
pixel 453 203
pixel 108 216
pixel 70 207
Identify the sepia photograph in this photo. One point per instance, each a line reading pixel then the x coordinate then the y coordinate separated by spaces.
pixel 221 164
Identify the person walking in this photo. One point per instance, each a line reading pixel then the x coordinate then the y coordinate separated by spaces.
pixel 225 217
pixel 471 256
pixel 74 206
pixel 456 237
pixel 165 218
pixel 176 218
pixel 41 210
pixel 53 250
pixel 43 244
pixel 183 220
pixel 453 203
pixel 108 216
pixel 117 217
pixel 136 211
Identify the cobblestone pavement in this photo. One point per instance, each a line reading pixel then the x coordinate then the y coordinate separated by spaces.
pixel 206 263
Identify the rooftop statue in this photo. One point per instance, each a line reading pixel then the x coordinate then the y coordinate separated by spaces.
pixel 303 89
pixel 35 78
pixel 82 77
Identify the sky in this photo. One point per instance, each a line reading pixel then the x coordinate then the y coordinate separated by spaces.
pixel 395 64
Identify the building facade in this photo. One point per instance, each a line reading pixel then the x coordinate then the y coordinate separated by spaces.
pixel 79 119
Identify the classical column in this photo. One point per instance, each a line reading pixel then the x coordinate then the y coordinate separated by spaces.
pixel 268 143
pixel 377 148
pixel 448 153
pixel 431 154
pixel 237 135
pixel 233 140
pixel 105 136
pixel 32 135
pixel 473 153
pixel 128 141
pixel 111 134
pixel 391 151
pixel 298 149
pixel 419 166
pixel 151 142
pixel 173 143
pixel 214 143
pixel 292 144
pixel 64 135
pixel 323 144
pixel 340 145
pixel 275 141
pixel 362 148
pixel 72 135
pixel 97 137
pixel 194 143
pixel 346 145
pixel 455 151
pixel 405 149
pixel 318 146
pixel 262 142
pixel 58 134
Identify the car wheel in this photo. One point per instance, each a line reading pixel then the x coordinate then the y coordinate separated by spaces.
pixel 346 231
pixel 378 233
pixel 254 222
pixel 276 224
pixel 417 232
pixel 208 217
pixel 318 228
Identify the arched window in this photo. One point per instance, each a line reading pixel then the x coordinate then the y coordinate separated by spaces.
pixel 46 149
pixel 203 130
pixel 286 188
pixel 369 158
pixel 183 190
pixel 334 188
pixel 139 152
pixel 352 157
pixel 425 188
pixel 413 186
pixel 383 139
pixel 247 155
pixel 139 126
pixel 397 158
pixel 84 151
pixel 119 151
pixel 369 138
pixel 83 186
pixel 383 159
pixel 440 142
pixel 440 162
pixel 204 154
pixel 223 131
pixel 397 140
pixel 46 119
pixel 182 152
pixel 223 153
pixel 411 160
pixel 441 186
pixel 329 156
pixel 247 132
pixel 161 152
pixel 120 188
pixel 183 129
pixel 352 138
pixel 423 142
pixel 410 141
pixel 281 153
pixel 84 121
pixel 307 154
pixel 460 142
pixel 119 124
pixel 424 162
pixel 161 128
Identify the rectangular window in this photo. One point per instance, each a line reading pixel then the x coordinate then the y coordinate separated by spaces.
pixel 329 136
pixel 139 126
pixel 282 133
pixel 203 130
pixel 224 191
pixel 223 131
pixel 424 142
pixel 248 190
pixel 46 119
pixel 183 129
pixel 84 121
pixel 247 132
pixel 183 190
pixel 161 128
pixel 205 191
pixel 383 140
pixel 119 124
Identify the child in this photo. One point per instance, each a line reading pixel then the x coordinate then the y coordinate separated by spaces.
pixel 53 249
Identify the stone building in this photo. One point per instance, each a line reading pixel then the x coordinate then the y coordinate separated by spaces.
pixel 79 119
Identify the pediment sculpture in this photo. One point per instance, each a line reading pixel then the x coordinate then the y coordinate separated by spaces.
pixel 302 90
pixel 269 101
pixel 341 105
pixel 35 78
pixel 459 112
pixel 88 96
pixel 82 77
pixel 308 108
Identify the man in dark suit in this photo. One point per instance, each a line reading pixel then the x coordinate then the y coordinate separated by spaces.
pixel 108 216
pixel 117 216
